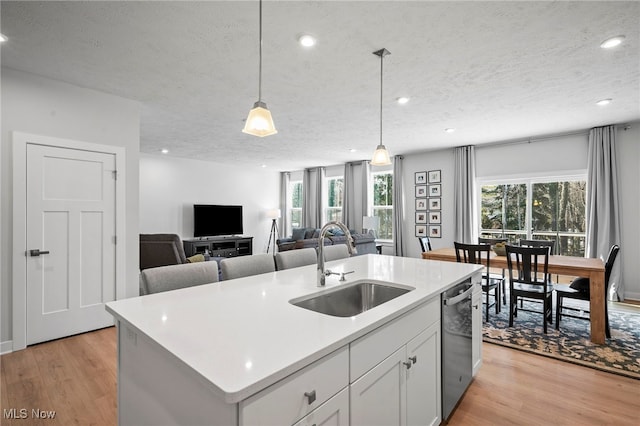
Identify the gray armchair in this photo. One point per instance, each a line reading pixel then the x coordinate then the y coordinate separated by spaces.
pixel 161 250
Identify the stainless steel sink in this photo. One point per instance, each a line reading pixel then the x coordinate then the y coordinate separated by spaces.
pixel 350 300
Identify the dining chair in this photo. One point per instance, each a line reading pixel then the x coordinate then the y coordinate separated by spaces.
pixel 243 266
pixel 173 277
pixel 425 243
pixel 295 258
pixel 493 242
pixel 539 243
pixel 475 253
pixel 579 289
pixel 529 278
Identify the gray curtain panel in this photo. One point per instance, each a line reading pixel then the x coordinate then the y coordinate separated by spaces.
pixel 398 206
pixel 464 206
pixel 312 181
pixel 355 202
pixel 603 211
pixel 285 179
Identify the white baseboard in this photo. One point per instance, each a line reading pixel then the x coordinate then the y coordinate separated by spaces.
pixel 6 347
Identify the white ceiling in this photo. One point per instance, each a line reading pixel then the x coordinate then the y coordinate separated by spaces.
pixel 494 71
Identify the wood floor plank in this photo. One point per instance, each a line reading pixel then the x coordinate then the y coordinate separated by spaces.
pixel 76 377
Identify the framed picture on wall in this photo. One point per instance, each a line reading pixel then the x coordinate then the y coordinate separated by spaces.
pixel 434 203
pixel 434 176
pixel 421 190
pixel 435 190
pixel 421 230
pixel 434 231
pixel 421 204
pixel 434 217
pixel 421 217
pixel 420 178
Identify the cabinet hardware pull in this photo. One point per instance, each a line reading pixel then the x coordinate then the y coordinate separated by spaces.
pixel 413 359
pixel 475 306
pixel 311 396
pixel 407 364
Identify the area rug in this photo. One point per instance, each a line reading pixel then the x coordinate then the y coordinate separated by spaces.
pixel 620 354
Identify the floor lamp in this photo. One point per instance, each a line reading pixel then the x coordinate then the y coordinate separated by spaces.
pixel 274 215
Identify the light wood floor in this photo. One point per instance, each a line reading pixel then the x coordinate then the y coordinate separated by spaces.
pixel 76 377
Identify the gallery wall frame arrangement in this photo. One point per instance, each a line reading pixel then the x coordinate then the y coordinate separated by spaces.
pixel 428 192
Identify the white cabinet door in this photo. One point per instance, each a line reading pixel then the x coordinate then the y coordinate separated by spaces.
pixel 423 378
pixel 476 336
pixel 334 412
pixel 378 397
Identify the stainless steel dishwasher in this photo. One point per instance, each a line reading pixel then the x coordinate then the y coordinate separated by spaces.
pixel 456 344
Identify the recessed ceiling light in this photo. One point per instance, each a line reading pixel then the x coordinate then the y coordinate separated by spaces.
pixel 403 100
pixel 449 130
pixel 264 166
pixel 612 42
pixel 603 102
pixel 307 40
pixel 352 150
pixel 164 151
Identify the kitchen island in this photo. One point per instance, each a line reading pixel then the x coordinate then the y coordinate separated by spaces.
pixel 238 352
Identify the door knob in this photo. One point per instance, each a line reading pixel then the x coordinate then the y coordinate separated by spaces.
pixel 413 359
pixel 37 252
pixel 407 364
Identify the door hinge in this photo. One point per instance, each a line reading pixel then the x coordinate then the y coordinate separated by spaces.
pixel 114 173
pixel 114 239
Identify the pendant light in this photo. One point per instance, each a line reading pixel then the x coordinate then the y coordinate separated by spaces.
pixel 259 122
pixel 381 155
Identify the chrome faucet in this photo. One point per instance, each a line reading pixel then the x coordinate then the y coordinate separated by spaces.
pixel 351 246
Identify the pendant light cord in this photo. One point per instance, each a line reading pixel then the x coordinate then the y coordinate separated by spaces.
pixel 260 56
pixel 381 60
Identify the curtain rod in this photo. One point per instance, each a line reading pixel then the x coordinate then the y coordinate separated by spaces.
pixel 624 126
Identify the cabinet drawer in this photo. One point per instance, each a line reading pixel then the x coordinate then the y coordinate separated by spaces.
pixel 333 412
pixel 285 402
pixel 373 347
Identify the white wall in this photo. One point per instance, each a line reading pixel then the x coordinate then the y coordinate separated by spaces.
pixel 33 104
pixel 170 186
pixel 539 157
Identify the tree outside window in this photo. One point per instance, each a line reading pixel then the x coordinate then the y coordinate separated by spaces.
pixel 333 209
pixel 383 203
pixel 541 209
pixel 295 213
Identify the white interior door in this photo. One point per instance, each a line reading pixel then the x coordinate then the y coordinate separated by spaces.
pixel 70 237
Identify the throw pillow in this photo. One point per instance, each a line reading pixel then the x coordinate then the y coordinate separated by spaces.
pixel 580 284
pixel 298 234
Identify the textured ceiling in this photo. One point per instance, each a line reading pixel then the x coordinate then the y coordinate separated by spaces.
pixel 494 71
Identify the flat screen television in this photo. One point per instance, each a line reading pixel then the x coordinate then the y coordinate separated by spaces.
pixel 214 220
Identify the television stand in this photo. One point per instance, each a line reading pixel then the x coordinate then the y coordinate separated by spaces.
pixel 222 246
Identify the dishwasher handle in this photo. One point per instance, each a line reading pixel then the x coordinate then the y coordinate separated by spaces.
pixel 456 299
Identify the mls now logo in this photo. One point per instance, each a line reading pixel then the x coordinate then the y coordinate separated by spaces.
pixel 23 413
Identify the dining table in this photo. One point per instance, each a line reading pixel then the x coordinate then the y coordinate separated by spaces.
pixel 592 268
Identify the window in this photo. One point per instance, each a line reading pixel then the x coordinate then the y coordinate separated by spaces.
pixel 383 203
pixel 536 208
pixel 295 213
pixel 333 207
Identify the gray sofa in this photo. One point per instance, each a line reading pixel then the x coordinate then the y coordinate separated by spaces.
pixel 309 238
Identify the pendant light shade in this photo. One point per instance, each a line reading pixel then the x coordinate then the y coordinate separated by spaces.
pixel 259 122
pixel 381 155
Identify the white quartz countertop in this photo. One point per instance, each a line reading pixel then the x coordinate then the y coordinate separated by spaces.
pixel 240 336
